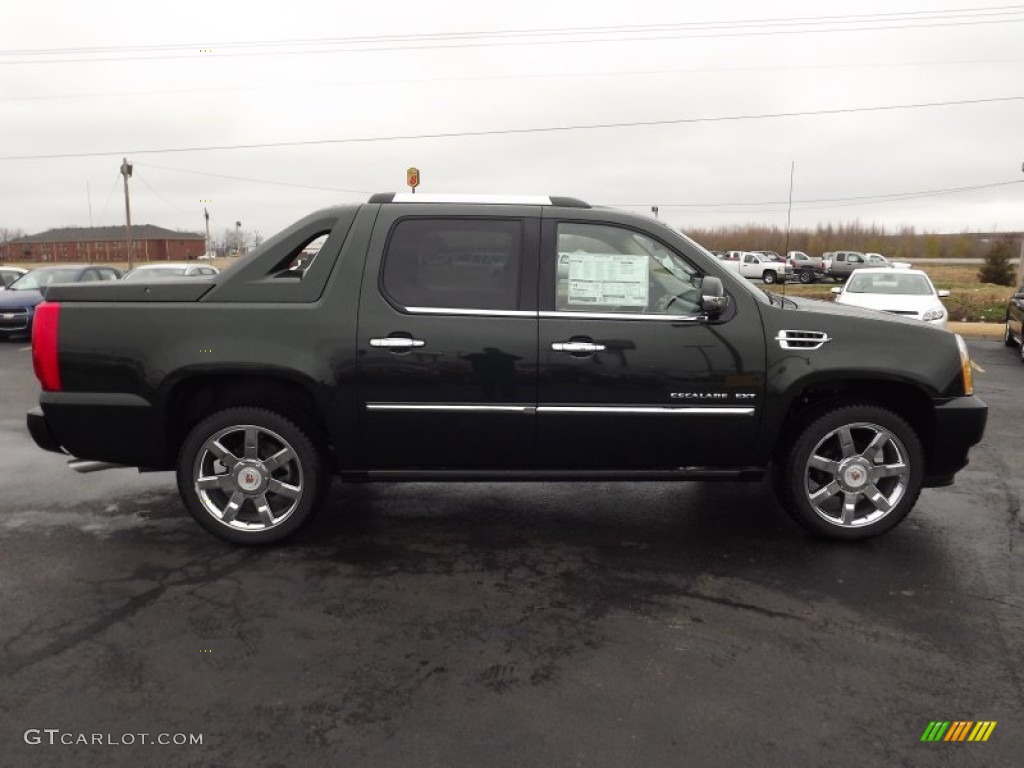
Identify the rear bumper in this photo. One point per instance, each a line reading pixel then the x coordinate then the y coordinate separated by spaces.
pixel 959 425
pixel 40 431
pixel 107 427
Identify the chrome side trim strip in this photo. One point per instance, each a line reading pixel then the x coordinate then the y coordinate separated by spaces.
pixel 624 316
pixel 480 312
pixel 447 407
pixel 681 411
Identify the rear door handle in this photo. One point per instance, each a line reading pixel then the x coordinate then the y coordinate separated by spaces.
pixel 397 342
pixel 577 346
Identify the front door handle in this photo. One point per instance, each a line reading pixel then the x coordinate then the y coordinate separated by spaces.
pixel 397 342
pixel 577 346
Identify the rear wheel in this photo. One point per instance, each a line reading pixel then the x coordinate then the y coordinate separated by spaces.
pixel 249 475
pixel 853 473
pixel 1007 335
pixel 806 277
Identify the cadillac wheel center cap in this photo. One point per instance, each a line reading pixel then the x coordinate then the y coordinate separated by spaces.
pixel 249 479
pixel 855 476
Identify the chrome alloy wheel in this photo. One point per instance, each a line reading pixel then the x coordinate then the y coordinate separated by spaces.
pixel 248 478
pixel 856 475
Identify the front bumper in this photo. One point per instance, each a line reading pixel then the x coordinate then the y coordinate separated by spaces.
pixel 959 425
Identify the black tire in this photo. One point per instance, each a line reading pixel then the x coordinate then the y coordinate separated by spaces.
pixel 258 495
pixel 1007 336
pixel 769 277
pixel 842 492
pixel 806 277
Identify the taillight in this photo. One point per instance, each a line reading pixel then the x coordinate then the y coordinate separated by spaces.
pixel 44 346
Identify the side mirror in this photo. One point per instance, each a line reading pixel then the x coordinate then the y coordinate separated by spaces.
pixel 713 299
pixel 837 290
pixel 943 294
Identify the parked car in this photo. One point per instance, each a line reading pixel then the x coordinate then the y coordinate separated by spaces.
pixel 906 292
pixel 168 270
pixel 806 268
pixel 18 303
pixel 590 344
pixel 8 275
pixel 758 265
pixel 1014 333
pixel 878 260
pixel 839 265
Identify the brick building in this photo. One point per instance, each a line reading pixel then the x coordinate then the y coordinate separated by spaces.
pixel 104 244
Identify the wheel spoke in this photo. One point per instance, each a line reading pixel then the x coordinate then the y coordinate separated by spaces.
pixel 234 507
pixel 877 498
pixel 849 507
pixel 890 470
pixel 224 456
pixel 284 489
pixel 825 465
pixel 874 450
pixel 846 442
pixel 251 440
pixel 279 459
pixel 215 483
pixel 826 491
pixel 263 509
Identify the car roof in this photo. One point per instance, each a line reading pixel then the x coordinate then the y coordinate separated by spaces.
pixel 159 264
pixel 889 271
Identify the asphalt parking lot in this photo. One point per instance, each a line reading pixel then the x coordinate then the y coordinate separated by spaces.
pixel 508 625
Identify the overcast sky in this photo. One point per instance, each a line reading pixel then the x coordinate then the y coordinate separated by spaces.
pixel 376 82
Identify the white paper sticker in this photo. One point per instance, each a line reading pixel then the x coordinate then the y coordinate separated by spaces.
pixel 607 279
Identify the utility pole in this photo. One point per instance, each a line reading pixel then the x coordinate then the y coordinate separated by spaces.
pixel 206 215
pixel 126 171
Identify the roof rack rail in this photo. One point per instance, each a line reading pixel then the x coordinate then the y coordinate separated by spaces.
pixel 408 197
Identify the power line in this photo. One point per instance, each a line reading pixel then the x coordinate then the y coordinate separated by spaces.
pixel 254 180
pixel 835 202
pixel 429 45
pixel 946 13
pixel 521 131
pixel 292 86
pixel 882 198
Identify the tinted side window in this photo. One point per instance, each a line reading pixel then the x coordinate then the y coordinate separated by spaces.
pixel 89 276
pixel 454 263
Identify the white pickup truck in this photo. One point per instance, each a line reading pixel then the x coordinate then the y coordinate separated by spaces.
pixel 767 267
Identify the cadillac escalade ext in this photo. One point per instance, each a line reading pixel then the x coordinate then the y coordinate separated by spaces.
pixel 529 338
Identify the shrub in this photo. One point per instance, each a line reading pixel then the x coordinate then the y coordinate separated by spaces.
pixel 997 269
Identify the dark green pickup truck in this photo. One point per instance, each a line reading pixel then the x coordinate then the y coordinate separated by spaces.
pixel 529 338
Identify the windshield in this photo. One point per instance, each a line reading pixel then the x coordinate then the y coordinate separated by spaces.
pixel 891 283
pixel 40 278
pixel 155 273
pixel 876 258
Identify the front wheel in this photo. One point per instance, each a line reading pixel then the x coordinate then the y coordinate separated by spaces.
pixel 769 277
pixel 853 473
pixel 1008 336
pixel 249 475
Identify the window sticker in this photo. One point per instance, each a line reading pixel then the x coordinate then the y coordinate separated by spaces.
pixel 606 279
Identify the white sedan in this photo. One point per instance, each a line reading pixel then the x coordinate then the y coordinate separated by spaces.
pixel 906 292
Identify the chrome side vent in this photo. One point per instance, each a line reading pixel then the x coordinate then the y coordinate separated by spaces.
pixel 802 339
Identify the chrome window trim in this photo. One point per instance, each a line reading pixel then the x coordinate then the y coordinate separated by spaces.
pixel 448 407
pixel 725 411
pixel 624 316
pixel 479 312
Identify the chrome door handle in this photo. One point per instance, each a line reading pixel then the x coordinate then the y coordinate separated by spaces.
pixel 577 346
pixel 397 342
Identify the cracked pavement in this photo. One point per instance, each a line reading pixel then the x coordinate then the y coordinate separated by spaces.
pixel 487 624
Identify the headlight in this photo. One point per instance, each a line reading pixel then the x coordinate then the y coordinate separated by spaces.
pixel 965 366
pixel 934 314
